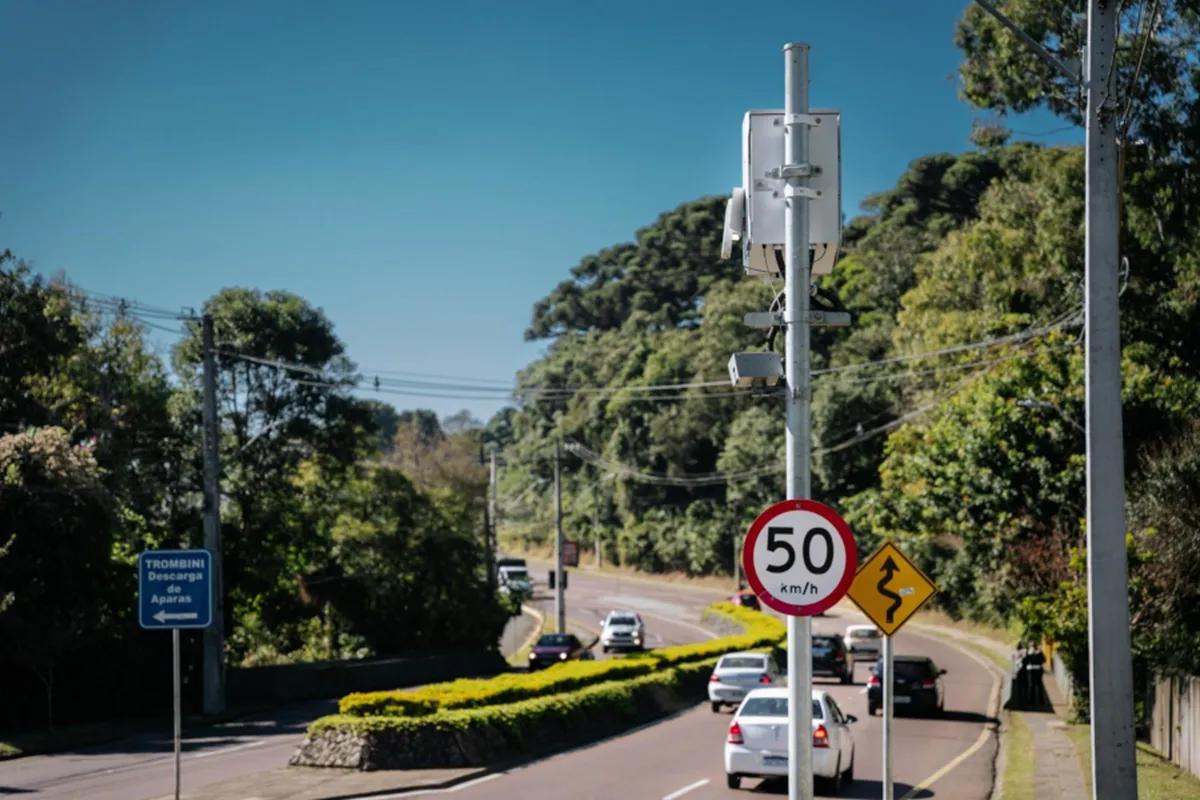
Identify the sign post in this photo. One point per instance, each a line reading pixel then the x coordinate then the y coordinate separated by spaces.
pixel 799 558
pixel 175 591
pixel 889 588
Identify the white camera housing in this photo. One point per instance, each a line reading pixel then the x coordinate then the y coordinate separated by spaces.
pixel 763 216
pixel 755 369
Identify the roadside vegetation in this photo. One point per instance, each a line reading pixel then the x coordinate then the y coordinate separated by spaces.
pixel 334 547
pixel 517 713
pixel 1158 779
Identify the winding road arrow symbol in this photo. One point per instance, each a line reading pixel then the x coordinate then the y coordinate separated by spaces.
pixel 890 569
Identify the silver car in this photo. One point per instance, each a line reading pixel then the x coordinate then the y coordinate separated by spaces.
pixel 623 630
pixel 863 643
pixel 736 674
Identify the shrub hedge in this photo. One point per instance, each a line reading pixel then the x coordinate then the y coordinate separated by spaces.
pixel 759 629
pixel 485 735
pixel 473 721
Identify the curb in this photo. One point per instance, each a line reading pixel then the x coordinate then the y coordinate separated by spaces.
pixel 538 620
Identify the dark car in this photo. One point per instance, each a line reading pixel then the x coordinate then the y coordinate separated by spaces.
pixel 746 600
pixel 829 658
pixel 917 686
pixel 555 648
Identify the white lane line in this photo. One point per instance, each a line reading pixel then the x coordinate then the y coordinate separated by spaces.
pixel 685 790
pixel 673 621
pixel 224 750
pixel 422 792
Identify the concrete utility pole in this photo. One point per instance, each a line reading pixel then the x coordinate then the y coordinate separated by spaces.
pixel 214 635
pixel 493 532
pixel 1114 761
pixel 560 606
pixel 799 400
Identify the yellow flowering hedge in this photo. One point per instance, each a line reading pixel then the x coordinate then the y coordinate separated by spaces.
pixel 759 629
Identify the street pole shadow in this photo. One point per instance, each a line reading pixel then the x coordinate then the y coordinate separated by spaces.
pixel 859 790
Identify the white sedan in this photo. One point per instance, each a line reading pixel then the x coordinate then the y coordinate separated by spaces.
pixel 757 746
pixel 738 673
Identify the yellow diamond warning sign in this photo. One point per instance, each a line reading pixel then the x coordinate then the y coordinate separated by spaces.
pixel 890 589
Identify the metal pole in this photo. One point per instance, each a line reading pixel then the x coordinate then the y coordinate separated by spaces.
pixel 737 561
pixel 560 606
pixel 1114 766
pixel 493 532
pixel 178 706
pixel 888 710
pixel 214 635
pixel 799 398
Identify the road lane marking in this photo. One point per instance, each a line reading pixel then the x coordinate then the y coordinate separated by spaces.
pixel 685 790
pixel 539 620
pixel 993 711
pixel 223 750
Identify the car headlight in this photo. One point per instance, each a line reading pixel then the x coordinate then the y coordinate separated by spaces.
pixel 532 656
pixel 562 656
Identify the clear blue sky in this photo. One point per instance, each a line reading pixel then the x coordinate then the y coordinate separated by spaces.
pixel 423 171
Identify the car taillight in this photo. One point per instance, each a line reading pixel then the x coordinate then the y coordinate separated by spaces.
pixel 765 679
pixel 735 734
pixel 874 681
pixel 820 737
pixel 929 685
pixel 840 657
pixel 714 678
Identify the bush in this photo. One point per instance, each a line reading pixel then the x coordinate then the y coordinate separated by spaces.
pixel 760 631
pixel 479 736
pixel 506 688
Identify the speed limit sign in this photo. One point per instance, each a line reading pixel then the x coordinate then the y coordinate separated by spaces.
pixel 800 557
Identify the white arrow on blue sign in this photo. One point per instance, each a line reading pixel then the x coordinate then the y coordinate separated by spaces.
pixel 175 589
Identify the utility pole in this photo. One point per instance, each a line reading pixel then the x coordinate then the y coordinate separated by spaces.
pixel 214 635
pixel 1114 762
pixel 560 607
pixel 799 399
pixel 493 532
pixel 1114 759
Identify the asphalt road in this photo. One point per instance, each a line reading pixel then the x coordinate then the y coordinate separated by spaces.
pixel 682 757
pixel 142 767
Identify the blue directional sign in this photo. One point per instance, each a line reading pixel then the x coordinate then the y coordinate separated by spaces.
pixel 175 589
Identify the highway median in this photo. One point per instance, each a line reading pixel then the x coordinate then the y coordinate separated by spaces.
pixel 484 722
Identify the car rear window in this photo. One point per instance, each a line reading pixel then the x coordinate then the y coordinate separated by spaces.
pixel 742 662
pixel 824 643
pixel 774 707
pixel 864 634
pixel 906 670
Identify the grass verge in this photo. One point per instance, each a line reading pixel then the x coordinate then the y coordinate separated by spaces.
pixel 1158 779
pixel 1019 760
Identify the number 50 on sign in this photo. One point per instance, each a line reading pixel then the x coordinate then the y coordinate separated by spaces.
pixel 799 557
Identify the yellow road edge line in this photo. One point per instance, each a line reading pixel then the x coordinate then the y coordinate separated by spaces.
pixel 539 620
pixel 993 709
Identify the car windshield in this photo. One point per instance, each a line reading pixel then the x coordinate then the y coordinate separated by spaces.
pixel 774 707
pixel 622 621
pixel 514 574
pixel 864 634
pixel 742 662
pixel 555 640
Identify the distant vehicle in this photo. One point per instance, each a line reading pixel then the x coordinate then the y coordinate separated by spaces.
pixel 555 648
pixel 829 658
pixel 757 745
pixel 623 630
pixel 736 674
pixel 917 686
pixel 747 600
pixel 863 642
pixel 515 580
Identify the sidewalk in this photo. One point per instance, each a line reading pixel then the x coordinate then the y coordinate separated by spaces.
pixel 311 783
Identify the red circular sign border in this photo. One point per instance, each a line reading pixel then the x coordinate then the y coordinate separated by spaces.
pixel 839 525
